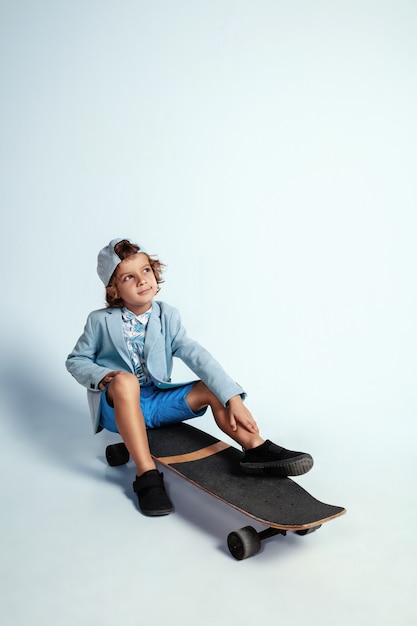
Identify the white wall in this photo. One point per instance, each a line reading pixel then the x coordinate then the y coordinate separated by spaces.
pixel 266 152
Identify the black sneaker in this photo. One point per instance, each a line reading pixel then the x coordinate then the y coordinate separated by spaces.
pixel 150 489
pixel 271 459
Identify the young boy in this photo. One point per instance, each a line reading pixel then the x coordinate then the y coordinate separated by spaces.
pixel 124 358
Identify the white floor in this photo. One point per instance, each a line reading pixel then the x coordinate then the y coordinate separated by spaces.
pixel 75 549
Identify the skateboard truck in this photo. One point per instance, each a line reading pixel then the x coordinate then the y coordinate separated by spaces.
pixel 246 541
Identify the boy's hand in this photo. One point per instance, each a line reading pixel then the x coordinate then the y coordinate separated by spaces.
pixel 239 414
pixel 107 379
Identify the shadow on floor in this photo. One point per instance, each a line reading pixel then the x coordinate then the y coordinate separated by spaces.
pixel 42 414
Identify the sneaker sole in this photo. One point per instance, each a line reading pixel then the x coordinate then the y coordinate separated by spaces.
pixel 157 513
pixel 274 468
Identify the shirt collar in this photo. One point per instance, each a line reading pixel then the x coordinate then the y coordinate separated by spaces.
pixel 129 316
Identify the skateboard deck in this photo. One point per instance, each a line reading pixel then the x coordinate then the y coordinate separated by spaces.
pixel 212 465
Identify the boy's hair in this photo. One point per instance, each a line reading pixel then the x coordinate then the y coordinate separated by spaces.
pixel 125 249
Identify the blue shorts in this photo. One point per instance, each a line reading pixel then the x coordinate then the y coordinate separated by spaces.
pixel 160 407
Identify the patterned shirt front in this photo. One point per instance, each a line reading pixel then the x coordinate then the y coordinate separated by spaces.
pixel 134 331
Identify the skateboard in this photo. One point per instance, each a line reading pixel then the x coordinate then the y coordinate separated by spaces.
pixel 280 504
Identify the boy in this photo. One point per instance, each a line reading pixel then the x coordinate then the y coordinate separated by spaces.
pixel 124 358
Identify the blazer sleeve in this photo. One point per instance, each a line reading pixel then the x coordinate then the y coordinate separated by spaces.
pixel 202 363
pixel 81 362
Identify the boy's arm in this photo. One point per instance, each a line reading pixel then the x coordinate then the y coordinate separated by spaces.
pixel 204 365
pixel 81 361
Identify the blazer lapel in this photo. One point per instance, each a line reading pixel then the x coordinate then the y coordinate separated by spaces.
pixel 153 331
pixel 115 329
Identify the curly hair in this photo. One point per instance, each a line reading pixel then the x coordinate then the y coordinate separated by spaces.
pixel 125 249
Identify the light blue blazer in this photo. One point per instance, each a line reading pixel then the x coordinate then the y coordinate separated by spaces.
pixel 102 349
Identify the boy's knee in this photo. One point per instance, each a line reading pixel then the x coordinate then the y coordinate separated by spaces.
pixel 124 383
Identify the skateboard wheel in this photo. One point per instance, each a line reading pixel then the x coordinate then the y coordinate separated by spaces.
pixel 244 543
pixel 117 454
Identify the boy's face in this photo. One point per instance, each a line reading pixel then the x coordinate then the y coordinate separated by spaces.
pixel 136 283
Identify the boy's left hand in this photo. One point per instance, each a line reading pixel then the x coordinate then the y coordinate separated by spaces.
pixel 239 414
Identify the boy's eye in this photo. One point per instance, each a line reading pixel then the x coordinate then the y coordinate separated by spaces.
pixel 127 277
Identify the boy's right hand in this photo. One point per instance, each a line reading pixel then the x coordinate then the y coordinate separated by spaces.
pixel 107 379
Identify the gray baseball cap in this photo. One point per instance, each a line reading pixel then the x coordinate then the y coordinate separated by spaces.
pixel 108 260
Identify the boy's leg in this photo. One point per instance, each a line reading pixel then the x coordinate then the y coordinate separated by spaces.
pixel 123 393
pixel 260 456
pixel 200 396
